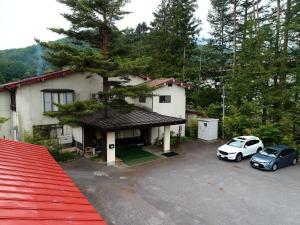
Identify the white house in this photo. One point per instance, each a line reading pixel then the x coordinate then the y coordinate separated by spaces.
pixel 24 103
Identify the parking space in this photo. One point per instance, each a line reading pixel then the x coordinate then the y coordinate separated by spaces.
pixel 191 188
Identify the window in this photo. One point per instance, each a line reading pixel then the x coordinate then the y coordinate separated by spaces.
pixel 142 99
pixel 165 99
pixel 252 142
pixel 284 153
pixel 290 151
pixel 57 96
pixel 13 100
pixel 236 143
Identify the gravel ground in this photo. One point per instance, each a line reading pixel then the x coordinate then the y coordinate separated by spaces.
pixel 190 189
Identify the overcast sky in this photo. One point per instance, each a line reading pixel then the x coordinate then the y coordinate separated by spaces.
pixel 23 20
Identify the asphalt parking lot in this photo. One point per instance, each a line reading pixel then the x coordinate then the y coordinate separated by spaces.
pixel 190 189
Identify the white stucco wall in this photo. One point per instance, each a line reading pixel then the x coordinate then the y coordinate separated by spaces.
pixel 6 128
pixel 147 105
pixel 29 99
pixel 133 81
pixel 176 108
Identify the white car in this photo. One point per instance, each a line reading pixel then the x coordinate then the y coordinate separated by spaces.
pixel 239 147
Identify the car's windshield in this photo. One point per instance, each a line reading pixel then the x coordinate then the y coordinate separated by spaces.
pixel 269 152
pixel 236 143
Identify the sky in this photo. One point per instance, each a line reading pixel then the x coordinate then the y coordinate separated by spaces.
pixel 23 20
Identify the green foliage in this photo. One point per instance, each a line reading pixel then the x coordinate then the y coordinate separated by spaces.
pixel 3 120
pixel 52 145
pixel 62 157
pixel 173 37
pixel 175 140
pixel 270 134
pixel 237 124
pixel 214 110
pixel 96 46
pixel 72 113
pixel 193 128
pixel 22 63
pixel 298 150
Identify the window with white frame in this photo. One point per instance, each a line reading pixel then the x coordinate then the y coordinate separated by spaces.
pixel 51 97
pixel 165 99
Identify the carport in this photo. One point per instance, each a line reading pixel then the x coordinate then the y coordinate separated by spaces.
pixel 102 127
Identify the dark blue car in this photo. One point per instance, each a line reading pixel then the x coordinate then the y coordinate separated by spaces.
pixel 274 157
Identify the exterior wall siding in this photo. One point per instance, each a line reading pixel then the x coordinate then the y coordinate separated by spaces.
pixel 6 129
pixel 30 105
pixel 176 108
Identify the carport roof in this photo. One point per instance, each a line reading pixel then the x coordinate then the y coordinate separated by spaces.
pixel 34 190
pixel 115 120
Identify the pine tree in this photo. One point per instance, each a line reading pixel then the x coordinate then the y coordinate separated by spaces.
pixel 220 19
pixel 174 35
pixel 3 120
pixel 94 46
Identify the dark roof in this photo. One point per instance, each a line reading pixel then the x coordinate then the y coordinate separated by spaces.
pixel 33 80
pixel 116 120
pixel 35 190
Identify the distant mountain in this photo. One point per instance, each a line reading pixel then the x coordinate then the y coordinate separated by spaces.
pixel 20 63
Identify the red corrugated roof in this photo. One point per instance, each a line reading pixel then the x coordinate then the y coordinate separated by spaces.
pixel 159 82
pixel 35 190
pixel 163 81
pixel 36 79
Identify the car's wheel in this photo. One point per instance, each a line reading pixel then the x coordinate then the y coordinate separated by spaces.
pixel 294 161
pixel 239 157
pixel 274 167
pixel 258 150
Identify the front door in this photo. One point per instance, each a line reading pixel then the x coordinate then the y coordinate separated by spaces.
pixel 145 136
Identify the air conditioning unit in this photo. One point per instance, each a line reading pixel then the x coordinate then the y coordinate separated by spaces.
pixel 66 139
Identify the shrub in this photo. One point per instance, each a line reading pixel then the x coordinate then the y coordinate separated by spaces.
pixel 178 140
pixel 53 147
pixel 193 128
pixel 298 150
pixel 62 157
pixel 237 125
pixel 3 120
pixel 214 110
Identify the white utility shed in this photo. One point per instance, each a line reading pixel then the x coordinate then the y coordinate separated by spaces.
pixel 208 129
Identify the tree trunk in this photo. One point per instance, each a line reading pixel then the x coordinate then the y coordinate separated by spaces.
pixel 245 22
pixel 277 36
pixel 285 44
pixel 234 35
pixel 183 65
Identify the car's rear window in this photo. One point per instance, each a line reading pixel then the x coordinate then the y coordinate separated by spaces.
pixel 236 143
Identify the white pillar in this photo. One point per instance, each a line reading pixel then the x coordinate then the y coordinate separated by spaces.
pixel 167 137
pixel 111 148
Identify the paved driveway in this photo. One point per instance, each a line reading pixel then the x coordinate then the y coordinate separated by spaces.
pixel 189 189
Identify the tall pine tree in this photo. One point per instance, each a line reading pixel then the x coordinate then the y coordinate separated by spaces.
pixel 94 47
pixel 174 36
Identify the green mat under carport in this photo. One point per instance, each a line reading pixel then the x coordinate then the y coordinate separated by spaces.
pixel 133 154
